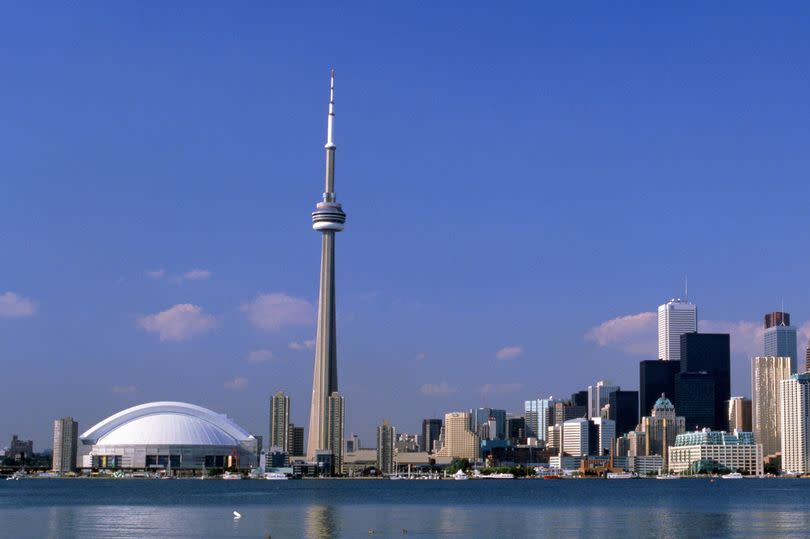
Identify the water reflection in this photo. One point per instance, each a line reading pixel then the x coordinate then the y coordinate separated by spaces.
pixel 321 521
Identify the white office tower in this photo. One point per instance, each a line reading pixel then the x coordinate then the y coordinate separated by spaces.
pixel 795 408
pixel 575 436
pixel 766 375
pixel 539 414
pixel 675 318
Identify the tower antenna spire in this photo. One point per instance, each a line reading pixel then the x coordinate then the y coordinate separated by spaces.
pixel 686 287
pixel 330 125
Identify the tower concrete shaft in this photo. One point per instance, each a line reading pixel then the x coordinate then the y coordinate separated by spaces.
pixel 327 218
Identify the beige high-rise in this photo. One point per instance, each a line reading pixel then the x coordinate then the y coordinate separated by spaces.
pixel 459 441
pixel 766 375
pixel 661 428
pixel 65 444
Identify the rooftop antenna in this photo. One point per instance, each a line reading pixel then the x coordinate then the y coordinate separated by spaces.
pixel 686 287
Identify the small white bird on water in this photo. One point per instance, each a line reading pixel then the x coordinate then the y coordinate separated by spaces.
pixel 237 515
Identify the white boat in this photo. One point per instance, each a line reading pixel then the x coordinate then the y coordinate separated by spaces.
pixel 395 477
pixel 231 476
pixel 459 476
pixel 16 476
pixel 501 476
pixel 734 475
pixel 276 476
pixel 668 476
pixel 621 475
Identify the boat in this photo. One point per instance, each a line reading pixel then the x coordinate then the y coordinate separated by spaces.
pixel 231 476
pixel 16 476
pixel 733 475
pixel 501 476
pixel 459 476
pixel 668 476
pixel 396 476
pixel 276 476
pixel 621 475
pixel 551 477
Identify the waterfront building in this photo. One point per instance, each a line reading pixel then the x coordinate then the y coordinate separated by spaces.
pixel 386 451
pixel 641 464
pixel 459 440
pixel 352 444
pixel 712 451
pixel 655 378
pixel 661 428
pixel 335 423
pixel 295 444
pixel 780 338
pixel 766 375
pixel 675 318
pixel 632 444
pixel 739 414
pixel 279 420
pixel 431 429
pixel 20 450
pixel 704 354
pixel 168 435
pixel 65 443
pixel 578 436
pixel 539 415
pixel 599 396
pixel 624 410
pixel 360 462
pixel 795 423
pixel 328 218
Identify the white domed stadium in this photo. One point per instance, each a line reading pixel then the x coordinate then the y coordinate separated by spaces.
pixel 169 436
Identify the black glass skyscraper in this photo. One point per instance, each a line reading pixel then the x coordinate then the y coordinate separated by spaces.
pixel 624 410
pixel 654 378
pixel 707 354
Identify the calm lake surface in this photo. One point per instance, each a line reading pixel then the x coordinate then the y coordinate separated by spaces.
pixel 345 508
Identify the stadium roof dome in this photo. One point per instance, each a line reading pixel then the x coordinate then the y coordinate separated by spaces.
pixel 166 423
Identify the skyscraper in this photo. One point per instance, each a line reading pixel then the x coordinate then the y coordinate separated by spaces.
pixel 334 429
pixel 431 428
pixel 704 354
pixel 65 442
pixel 539 415
pixel 480 418
pixel 386 436
pixel 807 359
pixel 624 410
pixel 780 338
pixel 739 414
pixel 459 440
pixel 295 443
pixel 598 396
pixel 328 218
pixel 279 420
pixel 654 378
pixel 767 374
pixel 795 423
pixel 661 428
pixel 675 318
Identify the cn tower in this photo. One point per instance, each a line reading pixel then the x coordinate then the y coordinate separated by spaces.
pixel 327 219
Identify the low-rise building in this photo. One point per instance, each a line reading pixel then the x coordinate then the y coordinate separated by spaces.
pixel 707 450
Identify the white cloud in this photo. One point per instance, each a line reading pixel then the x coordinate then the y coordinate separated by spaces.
pixel 123 390
pixel 633 333
pixel 509 352
pixel 442 388
pixel 638 334
pixel 179 322
pixel 304 345
pixel 156 274
pixel 501 388
pixel 259 356
pixel 14 306
pixel 196 275
pixel 273 311
pixel 237 383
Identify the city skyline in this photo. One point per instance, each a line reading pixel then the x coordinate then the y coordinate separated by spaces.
pixel 153 206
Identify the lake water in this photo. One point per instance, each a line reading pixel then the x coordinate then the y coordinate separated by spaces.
pixel 346 508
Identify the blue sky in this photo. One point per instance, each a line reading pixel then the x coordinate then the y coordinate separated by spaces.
pixel 514 178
